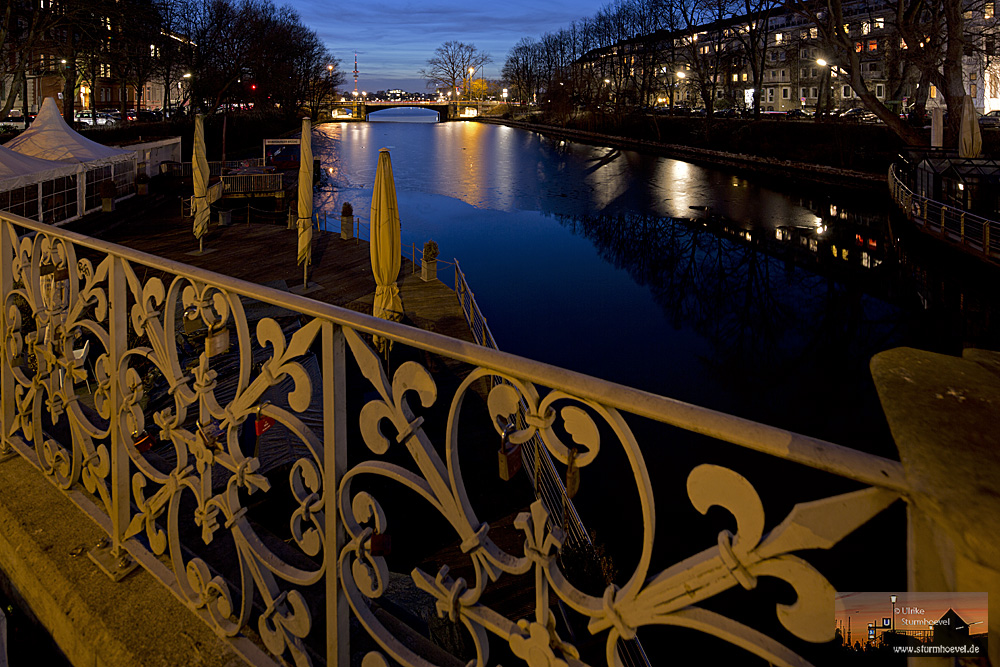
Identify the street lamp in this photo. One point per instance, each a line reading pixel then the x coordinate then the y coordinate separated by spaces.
pixel 892 627
pixel 469 85
pixel 679 76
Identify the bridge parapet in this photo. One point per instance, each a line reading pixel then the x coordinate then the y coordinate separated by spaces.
pixel 177 350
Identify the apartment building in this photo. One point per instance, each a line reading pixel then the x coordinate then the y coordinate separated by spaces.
pixel 798 71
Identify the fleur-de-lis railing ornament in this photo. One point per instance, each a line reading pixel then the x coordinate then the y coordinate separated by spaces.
pixel 198 481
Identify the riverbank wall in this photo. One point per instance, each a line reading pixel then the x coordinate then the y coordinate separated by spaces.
pixel 809 172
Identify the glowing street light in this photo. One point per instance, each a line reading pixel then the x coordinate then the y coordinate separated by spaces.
pixel 681 75
pixel 821 62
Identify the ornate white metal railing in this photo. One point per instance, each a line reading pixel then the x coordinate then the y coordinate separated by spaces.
pixel 539 466
pixel 974 233
pixel 185 509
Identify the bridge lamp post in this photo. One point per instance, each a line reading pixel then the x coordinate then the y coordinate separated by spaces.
pixel 680 76
pixel 469 84
pixel 329 76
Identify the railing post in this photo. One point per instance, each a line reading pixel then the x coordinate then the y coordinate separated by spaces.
pixel 114 561
pixel 335 466
pixel 961 227
pixel 943 209
pixel 986 238
pixel 6 373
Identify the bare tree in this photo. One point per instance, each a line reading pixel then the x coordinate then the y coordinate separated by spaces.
pixel 846 52
pixel 752 36
pixel 451 63
pixel 520 70
pixel 705 42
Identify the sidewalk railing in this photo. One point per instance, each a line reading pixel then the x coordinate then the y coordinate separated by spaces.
pixel 973 233
pixel 251 183
pixel 188 510
pixel 212 195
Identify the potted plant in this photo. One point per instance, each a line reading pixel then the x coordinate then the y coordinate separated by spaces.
pixel 428 268
pixel 142 183
pixel 108 193
pixel 347 221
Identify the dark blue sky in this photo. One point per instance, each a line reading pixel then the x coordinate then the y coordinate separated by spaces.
pixel 394 38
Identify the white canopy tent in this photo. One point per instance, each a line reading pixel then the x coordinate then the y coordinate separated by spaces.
pixel 42 190
pixel 50 138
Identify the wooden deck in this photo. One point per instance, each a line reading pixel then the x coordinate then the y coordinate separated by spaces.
pixel 266 254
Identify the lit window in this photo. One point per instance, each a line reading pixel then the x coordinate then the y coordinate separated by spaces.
pixel 736 77
pixel 857 46
pixel 814 33
pixel 989 10
pixel 778 37
pixel 933 92
pixel 902 43
pixel 866 27
pixel 872 44
pixel 744 76
pixel 879 24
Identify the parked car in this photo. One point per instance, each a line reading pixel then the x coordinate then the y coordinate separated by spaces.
pixel 859 114
pixel 796 113
pixel 726 113
pixel 87 117
pixel 990 119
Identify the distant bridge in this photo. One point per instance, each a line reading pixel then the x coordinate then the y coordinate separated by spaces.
pixel 445 110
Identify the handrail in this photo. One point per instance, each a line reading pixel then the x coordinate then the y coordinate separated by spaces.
pixel 812 452
pixel 134 309
pixel 974 233
pixel 244 183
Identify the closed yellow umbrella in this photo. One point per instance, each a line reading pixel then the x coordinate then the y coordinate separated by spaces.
pixel 199 174
pixel 385 246
pixel 305 200
pixel 970 141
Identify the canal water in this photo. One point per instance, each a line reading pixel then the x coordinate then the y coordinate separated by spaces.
pixel 750 295
pixel 767 302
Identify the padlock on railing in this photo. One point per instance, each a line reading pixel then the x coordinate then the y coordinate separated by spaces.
pixel 210 433
pixel 190 320
pixel 380 544
pixel 217 340
pixel 142 441
pixel 510 453
pixel 262 424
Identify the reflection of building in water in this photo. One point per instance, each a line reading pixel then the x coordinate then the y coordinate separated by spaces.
pixel 761 298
